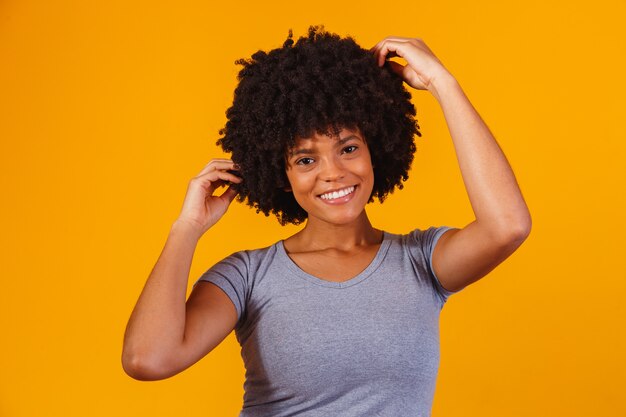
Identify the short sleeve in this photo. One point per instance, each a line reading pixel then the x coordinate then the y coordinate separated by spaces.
pixel 231 275
pixel 424 241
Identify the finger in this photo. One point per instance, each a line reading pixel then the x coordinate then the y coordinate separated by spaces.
pixel 389 48
pixel 213 180
pixel 216 160
pixel 218 165
pixel 220 162
pixel 229 195
pixel 391 54
pixel 397 68
pixel 376 48
pixel 222 175
pixel 389 38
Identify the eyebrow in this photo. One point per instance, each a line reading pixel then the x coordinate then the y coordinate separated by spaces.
pixel 308 151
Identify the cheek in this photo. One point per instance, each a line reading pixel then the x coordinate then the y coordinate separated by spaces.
pixel 299 182
pixel 368 178
pixel 366 171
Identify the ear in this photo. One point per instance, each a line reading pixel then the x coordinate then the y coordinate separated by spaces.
pixel 287 189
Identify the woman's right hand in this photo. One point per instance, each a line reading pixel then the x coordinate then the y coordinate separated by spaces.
pixel 201 208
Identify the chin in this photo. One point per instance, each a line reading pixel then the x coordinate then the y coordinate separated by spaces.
pixel 339 219
pixel 336 214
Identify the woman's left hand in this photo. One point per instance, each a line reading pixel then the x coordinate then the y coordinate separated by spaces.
pixel 423 66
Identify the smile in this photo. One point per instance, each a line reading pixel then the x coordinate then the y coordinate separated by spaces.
pixel 338 194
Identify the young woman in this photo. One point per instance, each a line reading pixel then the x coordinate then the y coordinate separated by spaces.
pixel 340 319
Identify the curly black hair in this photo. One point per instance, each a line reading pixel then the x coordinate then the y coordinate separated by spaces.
pixel 322 83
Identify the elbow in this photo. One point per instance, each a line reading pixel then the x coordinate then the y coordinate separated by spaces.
pixel 142 368
pixel 522 227
pixel 520 231
pixel 512 230
pixel 517 231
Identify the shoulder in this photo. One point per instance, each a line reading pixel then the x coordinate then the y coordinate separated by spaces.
pixel 419 244
pixel 424 238
pixel 251 260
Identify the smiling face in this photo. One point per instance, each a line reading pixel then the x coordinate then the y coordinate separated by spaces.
pixel 331 177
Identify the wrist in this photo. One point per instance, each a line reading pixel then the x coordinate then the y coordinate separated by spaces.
pixel 186 228
pixel 441 84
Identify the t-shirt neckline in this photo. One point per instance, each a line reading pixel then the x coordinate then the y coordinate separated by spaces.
pixel 382 250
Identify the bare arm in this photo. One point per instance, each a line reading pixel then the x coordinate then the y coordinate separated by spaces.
pixel 502 218
pixel 165 334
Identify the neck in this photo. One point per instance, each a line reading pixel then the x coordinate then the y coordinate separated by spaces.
pixel 321 235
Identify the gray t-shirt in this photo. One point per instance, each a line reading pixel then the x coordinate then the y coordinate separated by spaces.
pixel 368 346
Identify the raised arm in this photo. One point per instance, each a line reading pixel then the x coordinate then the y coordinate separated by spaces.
pixel 165 334
pixel 502 218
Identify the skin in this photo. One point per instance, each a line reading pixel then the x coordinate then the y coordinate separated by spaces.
pixel 167 333
pixel 503 221
pixel 338 240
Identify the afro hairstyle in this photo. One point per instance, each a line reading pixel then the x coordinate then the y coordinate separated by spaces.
pixel 321 83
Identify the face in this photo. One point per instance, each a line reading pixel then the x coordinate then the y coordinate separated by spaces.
pixel 331 177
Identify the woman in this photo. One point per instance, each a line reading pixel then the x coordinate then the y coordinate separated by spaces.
pixel 341 318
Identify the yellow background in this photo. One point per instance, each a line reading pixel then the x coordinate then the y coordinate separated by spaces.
pixel 108 109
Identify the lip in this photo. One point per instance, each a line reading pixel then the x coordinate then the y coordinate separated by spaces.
pixel 340 200
pixel 335 189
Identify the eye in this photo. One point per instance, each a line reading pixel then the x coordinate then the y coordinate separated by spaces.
pixel 304 161
pixel 350 149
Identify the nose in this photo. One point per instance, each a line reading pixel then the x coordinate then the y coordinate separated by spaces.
pixel 331 170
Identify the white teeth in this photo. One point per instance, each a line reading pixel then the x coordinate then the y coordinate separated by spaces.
pixel 337 194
